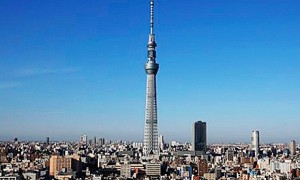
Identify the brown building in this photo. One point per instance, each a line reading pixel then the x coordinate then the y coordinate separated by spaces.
pixel 202 167
pixel 3 157
pixel 245 176
pixel 58 163
pixel 33 157
pixel 196 177
pixel 297 172
pixel 244 160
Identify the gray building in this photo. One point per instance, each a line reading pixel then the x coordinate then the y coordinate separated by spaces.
pixel 153 169
pixel 125 170
pixel 199 137
pixel 292 147
pixel 30 175
pixel 255 142
pixel 12 177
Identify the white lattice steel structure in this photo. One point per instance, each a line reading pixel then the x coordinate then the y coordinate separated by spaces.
pixel 151 67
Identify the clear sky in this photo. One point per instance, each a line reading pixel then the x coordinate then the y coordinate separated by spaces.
pixel 77 67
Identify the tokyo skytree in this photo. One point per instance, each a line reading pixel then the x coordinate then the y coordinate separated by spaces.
pixel 151 67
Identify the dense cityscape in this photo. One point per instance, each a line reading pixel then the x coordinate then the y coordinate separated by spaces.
pixel 98 158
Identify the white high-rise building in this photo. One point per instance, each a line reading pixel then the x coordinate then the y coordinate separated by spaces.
pixel 161 142
pixel 151 67
pixel 83 139
pixel 255 142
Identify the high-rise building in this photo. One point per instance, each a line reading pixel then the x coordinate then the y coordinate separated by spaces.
pixel 16 140
pixel 57 163
pixel 292 147
pixel 199 137
pixel 202 167
pixel 47 141
pixel 255 142
pixel 161 142
pixel 151 67
pixel 83 139
pixel 229 155
pixel 101 141
pixel 94 141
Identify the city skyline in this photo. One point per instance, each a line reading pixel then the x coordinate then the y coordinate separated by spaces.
pixel 71 68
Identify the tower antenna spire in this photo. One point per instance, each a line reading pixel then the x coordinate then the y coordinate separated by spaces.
pixel 151 16
pixel 151 43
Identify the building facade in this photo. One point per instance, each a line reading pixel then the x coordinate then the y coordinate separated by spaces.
pixel 292 147
pixel 199 137
pixel 255 142
pixel 202 167
pixel 161 142
pixel 59 163
pixel 125 170
pixel 83 139
pixel 153 169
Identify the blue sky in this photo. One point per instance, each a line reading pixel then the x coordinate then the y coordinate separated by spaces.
pixel 76 67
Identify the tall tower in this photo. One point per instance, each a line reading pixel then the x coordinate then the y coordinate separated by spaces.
pixel 199 137
pixel 151 67
pixel 255 142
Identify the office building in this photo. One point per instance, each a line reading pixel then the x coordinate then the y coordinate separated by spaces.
pixel 59 163
pixel 292 147
pixel 83 139
pixel 229 155
pixel 94 141
pixel 185 172
pixel 255 142
pixel 151 67
pixel 161 142
pixel 47 141
pixel 199 137
pixel 202 167
pixel 125 170
pixel 101 141
pixel 153 169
